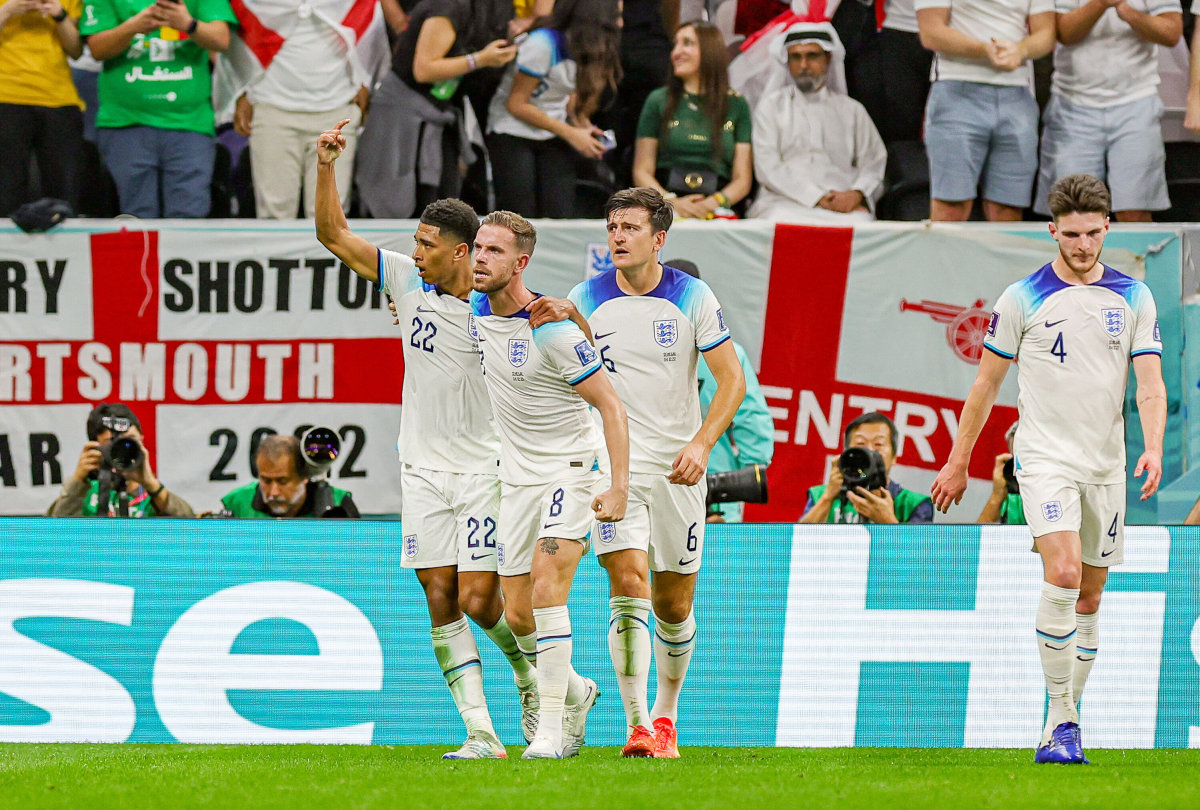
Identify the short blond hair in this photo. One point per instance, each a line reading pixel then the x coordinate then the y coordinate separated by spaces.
pixel 524 234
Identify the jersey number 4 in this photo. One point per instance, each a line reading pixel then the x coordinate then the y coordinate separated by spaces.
pixel 1058 349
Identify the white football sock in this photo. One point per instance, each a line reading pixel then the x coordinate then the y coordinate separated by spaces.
pixel 528 647
pixel 629 646
pixel 458 657
pixel 673 645
pixel 1087 642
pixel 1056 646
pixel 502 636
pixel 554 669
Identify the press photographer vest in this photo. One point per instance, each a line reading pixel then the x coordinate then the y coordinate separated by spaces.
pixel 139 502
pixel 241 501
pixel 905 502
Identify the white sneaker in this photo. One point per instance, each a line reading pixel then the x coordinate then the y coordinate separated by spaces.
pixel 478 748
pixel 529 710
pixel 541 748
pixel 575 720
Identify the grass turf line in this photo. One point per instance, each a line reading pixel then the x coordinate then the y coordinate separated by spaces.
pixel 179 776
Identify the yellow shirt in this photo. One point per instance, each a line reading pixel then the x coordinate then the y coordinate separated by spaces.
pixel 33 65
pixel 523 8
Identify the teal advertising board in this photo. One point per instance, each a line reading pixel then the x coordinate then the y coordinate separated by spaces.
pixel 269 631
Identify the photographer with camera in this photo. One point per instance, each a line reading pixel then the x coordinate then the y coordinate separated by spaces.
pixel 114 469
pixel 1004 504
pixel 860 489
pixel 289 481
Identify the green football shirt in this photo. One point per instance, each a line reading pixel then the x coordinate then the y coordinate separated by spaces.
pixel 162 79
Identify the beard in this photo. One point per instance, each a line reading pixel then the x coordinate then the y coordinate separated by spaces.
pixel 279 506
pixel 808 83
pixel 1080 266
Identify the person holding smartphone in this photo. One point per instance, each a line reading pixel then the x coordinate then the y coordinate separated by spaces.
pixel 539 122
pixel 155 125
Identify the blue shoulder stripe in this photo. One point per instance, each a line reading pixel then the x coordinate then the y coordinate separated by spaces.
pixel 715 343
pixel 587 372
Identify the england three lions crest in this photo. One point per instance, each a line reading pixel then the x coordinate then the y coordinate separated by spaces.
pixel 666 332
pixel 518 351
pixel 1114 321
pixel 1052 510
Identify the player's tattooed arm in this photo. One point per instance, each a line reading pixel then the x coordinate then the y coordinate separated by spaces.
pixel 549 546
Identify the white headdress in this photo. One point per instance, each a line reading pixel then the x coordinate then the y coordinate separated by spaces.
pixel 820 33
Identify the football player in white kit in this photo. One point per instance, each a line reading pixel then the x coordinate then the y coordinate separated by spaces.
pixel 448 446
pixel 1073 328
pixel 650 324
pixel 541 382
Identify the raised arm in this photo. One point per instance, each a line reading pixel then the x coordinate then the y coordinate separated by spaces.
pixel 951 482
pixel 333 231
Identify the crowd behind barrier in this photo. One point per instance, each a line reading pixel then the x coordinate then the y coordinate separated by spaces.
pixel 820 115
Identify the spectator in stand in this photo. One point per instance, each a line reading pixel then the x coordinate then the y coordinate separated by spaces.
pixel 540 118
pixel 1192 116
pixel 645 67
pixel 817 156
pixel 41 114
pixel 981 122
pixel 155 122
pixel 1105 117
pixel 286 97
pixel 693 141
pixel 891 74
pixel 421 125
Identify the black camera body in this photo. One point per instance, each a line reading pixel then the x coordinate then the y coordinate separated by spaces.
pixel 117 458
pixel 861 467
pixel 122 454
pixel 1010 478
pixel 747 484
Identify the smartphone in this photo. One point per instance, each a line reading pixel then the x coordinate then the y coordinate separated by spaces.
pixel 519 38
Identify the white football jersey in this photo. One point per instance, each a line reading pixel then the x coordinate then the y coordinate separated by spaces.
pixel 445 418
pixel 546 429
pixel 1073 344
pixel 650 345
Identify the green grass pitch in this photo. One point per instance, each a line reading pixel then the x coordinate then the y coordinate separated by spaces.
pixel 178 776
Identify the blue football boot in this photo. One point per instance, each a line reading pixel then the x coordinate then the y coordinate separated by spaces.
pixel 1064 748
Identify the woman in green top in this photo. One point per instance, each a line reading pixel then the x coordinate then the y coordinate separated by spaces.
pixel 693 137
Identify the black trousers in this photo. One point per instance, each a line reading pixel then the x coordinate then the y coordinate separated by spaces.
pixel 890 77
pixel 533 178
pixel 52 135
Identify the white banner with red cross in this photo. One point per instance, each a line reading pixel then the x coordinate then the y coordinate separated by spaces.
pixel 216 332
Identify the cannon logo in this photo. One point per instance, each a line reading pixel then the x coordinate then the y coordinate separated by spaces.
pixel 965 326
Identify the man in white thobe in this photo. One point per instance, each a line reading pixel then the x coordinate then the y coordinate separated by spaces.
pixel 817 156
